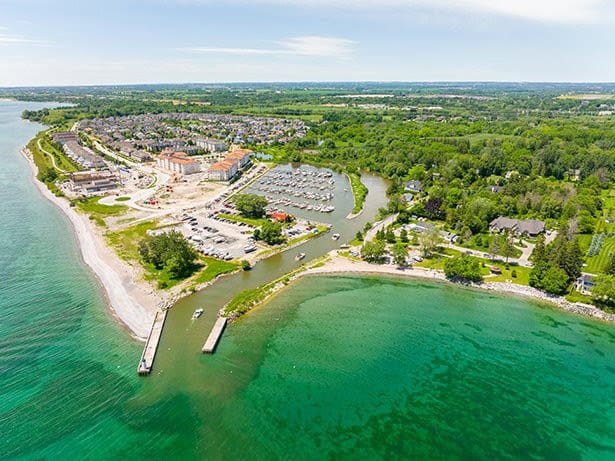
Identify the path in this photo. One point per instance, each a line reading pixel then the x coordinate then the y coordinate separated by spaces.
pixel 53 160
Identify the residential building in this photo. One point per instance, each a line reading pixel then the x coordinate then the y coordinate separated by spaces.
pixel 90 182
pixel 178 162
pixel 82 155
pixel 223 170
pixel 414 186
pixel 211 145
pixel 528 227
pixel 584 284
pixel 242 156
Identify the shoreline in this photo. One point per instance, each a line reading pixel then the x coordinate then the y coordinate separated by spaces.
pixel 133 303
pixel 339 265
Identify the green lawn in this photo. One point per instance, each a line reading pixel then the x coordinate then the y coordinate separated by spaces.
pixel 596 264
pixel 242 219
pixel 97 211
pixel 522 278
pixel 125 242
pixel 213 268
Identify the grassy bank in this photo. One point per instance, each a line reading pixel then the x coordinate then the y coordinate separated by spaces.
pixel 359 191
pixel 97 211
pixel 248 299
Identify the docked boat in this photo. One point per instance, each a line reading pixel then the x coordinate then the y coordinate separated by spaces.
pixel 197 313
pixel 300 256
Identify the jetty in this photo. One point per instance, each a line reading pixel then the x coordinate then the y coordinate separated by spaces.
pixel 151 345
pixel 214 335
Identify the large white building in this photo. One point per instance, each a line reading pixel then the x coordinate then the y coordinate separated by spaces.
pixel 223 170
pixel 211 145
pixel 178 162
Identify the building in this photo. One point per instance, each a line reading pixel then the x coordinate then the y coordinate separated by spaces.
pixel 414 186
pixel 64 136
pixel 242 156
pixel 278 216
pixel 584 284
pixel 82 155
pixel 91 182
pixel 223 170
pixel 178 162
pixel 211 145
pixel 527 227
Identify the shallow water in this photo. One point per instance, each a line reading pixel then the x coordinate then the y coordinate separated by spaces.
pixel 333 367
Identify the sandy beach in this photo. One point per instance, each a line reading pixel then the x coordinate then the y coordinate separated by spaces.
pixel 341 265
pixel 132 301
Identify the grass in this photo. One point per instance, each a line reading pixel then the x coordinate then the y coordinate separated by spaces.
pixel 122 199
pixel 576 297
pixel 596 264
pixel 522 278
pixel 359 191
pixel 97 211
pixel 213 268
pixel 482 242
pixel 242 219
pixel 125 242
pixel 62 161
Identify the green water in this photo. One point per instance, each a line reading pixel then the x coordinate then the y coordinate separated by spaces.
pixel 331 368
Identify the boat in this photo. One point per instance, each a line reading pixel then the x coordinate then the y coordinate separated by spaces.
pixel 300 256
pixel 197 313
pixel 335 236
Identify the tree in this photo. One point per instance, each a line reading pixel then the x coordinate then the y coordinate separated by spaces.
pixel 429 240
pixel 389 236
pixel 373 251
pixel 169 251
pixel 603 290
pixel 400 253
pixel 403 235
pixel 494 247
pixel 359 236
pixel 250 205
pixel 463 268
pixel 609 268
pixel 506 245
pixel 271 233
pixel 571 259
pixel 555 280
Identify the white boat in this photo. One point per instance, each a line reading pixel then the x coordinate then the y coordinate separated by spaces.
pixel 197 313
pixel 300 256
pixel 335 236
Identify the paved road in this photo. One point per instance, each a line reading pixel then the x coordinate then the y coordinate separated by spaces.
pixel 380 225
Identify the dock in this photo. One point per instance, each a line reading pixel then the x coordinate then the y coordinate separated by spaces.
pixel 214 336
pixel 151 345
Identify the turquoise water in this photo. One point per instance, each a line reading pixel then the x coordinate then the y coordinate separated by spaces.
pixel 331 368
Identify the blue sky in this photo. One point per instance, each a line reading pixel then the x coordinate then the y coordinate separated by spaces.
pixel 60 42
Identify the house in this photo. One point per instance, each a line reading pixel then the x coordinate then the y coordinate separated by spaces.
pixel 223 170
pixel 280 217
pixel 584 284
pixel 178 162
pixel 63 137
pixel 531 227
pixel 407 198
pixel 414 186
pixel 527 227
pixel 82 155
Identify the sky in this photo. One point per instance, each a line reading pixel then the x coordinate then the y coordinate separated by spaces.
pixel 72 42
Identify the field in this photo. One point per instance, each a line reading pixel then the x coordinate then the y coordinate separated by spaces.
pixel 596 264
pixel 98 211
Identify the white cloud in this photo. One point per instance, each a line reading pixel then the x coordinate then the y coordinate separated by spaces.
pixel 311 45
pixel 6 39
pixel 558 11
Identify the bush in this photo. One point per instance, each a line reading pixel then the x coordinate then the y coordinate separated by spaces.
pixel 463 268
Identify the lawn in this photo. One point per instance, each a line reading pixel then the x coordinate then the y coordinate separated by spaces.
pixel 482 242
pixel 596 264
pixel 125 242
pixel 522 278
pixel 213 268
pixel 97 211
pixel 242 219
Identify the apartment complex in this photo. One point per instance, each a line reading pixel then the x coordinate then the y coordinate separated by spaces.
pixel 178 162
pixel 232 163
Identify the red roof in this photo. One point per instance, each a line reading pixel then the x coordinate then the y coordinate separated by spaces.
pixel 279 216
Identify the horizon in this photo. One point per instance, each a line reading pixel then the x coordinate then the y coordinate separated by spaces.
pixel 50 44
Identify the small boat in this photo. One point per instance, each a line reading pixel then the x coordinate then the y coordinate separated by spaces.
pixel 197 313
pixel 335 236
pixel 300 256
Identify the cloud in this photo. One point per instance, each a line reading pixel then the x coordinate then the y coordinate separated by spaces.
pixel 311 45
pixel 553 11
pixel 6 39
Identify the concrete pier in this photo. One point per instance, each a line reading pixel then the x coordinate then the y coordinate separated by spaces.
pixel 214 336
pixel 151 345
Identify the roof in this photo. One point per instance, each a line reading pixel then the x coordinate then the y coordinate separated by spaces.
pixel 503 222
pixel 531 226
pixel 224 165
